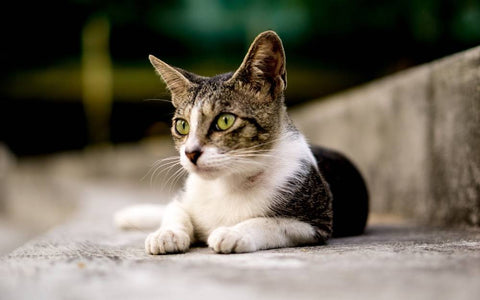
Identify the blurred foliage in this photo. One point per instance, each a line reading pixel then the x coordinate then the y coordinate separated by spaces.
pixel 330 44
pixel 329 32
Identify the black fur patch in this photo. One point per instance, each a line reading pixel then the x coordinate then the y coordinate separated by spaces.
pixel 350 194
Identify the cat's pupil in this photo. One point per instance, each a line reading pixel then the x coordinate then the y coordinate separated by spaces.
pixel 225 120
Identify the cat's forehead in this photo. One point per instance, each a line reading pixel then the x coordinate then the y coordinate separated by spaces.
pixel 207 106
pixel 209 97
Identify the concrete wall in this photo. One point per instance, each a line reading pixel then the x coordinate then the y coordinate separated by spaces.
pixel 414 135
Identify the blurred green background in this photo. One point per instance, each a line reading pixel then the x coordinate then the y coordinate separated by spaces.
pixel 75 73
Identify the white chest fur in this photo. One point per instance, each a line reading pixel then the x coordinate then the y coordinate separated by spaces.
pixel 212 204
pixel 228 201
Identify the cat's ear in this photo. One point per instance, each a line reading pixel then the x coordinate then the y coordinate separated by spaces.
pixel 263 68
pixel 176 82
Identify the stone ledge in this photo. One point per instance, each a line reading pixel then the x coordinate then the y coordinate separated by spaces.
pixel 415 135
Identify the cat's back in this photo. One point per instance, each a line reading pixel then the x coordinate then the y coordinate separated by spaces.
pixel 349 190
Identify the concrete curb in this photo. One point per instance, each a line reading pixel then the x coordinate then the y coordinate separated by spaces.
pixel 415 135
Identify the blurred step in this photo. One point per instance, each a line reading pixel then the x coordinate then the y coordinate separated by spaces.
pixel 414 135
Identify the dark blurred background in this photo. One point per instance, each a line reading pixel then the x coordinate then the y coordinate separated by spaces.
pixel 75 72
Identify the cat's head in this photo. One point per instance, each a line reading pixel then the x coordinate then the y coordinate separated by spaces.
pixel 227 123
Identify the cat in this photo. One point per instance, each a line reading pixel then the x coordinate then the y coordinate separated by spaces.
pixel 254 183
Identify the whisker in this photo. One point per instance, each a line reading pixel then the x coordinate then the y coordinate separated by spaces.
pixel 253 155
pixel 158 100
pixel 177 178
pixel 166 182
pixel 242 167
pixel 166 168
pixel 269 142
pixel 246 162
pixel 254 148
pixel 167 171
pixel 249 151
pixel 166 159
pixel 170 157
pixel 173 178
pixel 168 163
pixel 156 164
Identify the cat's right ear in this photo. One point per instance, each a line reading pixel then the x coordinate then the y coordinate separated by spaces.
pixel 178 85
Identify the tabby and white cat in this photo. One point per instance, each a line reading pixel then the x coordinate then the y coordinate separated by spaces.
pixel 253 181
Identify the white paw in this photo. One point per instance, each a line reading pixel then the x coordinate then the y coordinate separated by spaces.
pixel 167 241
pixel 229 240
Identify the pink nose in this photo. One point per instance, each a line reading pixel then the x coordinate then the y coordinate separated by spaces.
pixel 193 155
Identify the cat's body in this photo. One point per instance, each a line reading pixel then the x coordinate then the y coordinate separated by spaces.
pixel 253 181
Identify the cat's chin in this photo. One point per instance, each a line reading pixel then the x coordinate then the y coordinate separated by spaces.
pixel 206 173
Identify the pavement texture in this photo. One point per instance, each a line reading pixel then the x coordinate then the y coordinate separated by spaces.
pixel 88 258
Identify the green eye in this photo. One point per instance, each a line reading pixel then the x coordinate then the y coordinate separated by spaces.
pixel 225 121
pixel 182 127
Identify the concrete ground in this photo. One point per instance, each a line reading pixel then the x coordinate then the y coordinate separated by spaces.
pixel 88 258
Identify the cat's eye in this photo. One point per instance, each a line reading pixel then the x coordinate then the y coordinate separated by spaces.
pixel 225 121
pixel 182 127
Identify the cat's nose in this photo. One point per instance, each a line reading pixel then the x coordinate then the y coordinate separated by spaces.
pixel 193 155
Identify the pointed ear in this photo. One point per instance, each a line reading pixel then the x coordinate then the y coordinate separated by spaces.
pixel 176 82
pixel 263 67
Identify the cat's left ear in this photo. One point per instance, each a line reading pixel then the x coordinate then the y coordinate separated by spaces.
pixel 263 67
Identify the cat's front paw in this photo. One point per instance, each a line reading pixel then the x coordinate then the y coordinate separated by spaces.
pixel 229 240
pixel 167 241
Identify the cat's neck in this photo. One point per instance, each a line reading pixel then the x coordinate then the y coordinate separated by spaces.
pixel 236 182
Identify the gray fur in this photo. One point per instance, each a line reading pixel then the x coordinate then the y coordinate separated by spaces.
pixel 307 198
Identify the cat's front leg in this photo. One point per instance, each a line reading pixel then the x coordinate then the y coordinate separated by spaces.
pixel 262 233
pixel 174 235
